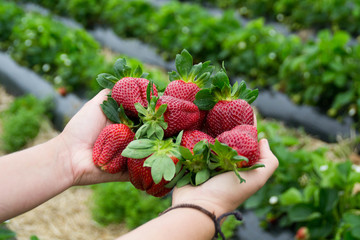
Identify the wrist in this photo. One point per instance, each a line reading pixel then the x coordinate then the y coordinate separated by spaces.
pixel 63 157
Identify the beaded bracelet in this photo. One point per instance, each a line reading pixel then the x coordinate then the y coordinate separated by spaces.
pixel 216 221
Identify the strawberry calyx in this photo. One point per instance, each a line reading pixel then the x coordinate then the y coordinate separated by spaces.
pixel 161 156
pixel 198 74
pixel 224 158
pixel 116 113
pixel 196 163
pixel 153 123
pixel 121 70
pixel 221 89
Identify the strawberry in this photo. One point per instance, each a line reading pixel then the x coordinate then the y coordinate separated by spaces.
pixel 140 177
pixel 113 139
pixel 302 234
pixel 192 137
pixel 189 80
pixel 228 106
pixel 166 116
pixel 153 163
pixel 109 145
pixel 179 115
pixel 236 150
pixel 244 140
pixel 128 86
pixel 195 151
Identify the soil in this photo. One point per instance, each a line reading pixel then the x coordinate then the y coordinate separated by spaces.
pixel 66 216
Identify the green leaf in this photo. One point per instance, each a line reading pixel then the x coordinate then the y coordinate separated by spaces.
pixel 110 109
pixel 184 181
pixel 184 63
pixel 291 196
pixel 159 132
pixel 221 80
pixel 121 69
pixel 328 199
pixel 352 217
pixel 179 175
pixel 137 72
pixel 141 144
pixel 140 108
pixel 174 76
pixel 160 111
pixel 106 80
pixel 204 100
pixel 185 153
pixel 303 212
pixel 161 167
pixel 202 176
pixel 132 151
pixel 179 137
pixel 6 234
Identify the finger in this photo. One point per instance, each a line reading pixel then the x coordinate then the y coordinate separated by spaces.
pixel 255 121
pixel 267 157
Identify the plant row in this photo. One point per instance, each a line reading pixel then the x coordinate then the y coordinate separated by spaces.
pixel 306 14
pixel 309 190
pixel 21 122
pixel 67 57
pixel 321 72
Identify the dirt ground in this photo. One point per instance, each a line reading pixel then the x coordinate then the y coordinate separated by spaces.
pixel 67 216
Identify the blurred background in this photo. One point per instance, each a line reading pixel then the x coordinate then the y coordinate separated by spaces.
pixel 304 56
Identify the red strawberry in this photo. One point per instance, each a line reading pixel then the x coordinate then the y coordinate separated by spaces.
pixel 152 164
pixel 141 178
pixel 192 137
pixel 128 86
pixel 236 150
pixel 229 106
pixel 302 234
pixel 179 115
pixel 188 80
pixel 128 91
pixel 244 140
pixel 109 145
pixel 195 150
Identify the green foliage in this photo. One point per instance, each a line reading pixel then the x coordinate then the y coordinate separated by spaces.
pixel 172 29
pixel 121 202
pixel 21 122
pixel 5 233
pixel 9 16
pixel 127 18
pixel 257 51
pixel 52 49
pixel 320 14
pixel 310 190
pixel 325 74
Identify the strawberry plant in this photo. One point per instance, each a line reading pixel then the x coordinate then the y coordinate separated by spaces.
pixel 127 19
pixel 121 202
pixel 63 47
pixel 21 122
pixel 9 15
pixel 324 74
pixel 308 190
pixel 257 51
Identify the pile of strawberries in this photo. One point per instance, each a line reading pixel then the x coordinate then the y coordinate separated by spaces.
pixel 200 126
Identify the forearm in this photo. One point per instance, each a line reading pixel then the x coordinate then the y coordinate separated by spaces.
pixel 31 177
pixel 177 224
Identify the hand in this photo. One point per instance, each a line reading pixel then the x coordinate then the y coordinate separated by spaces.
pixel 224 192
pixel 78 139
